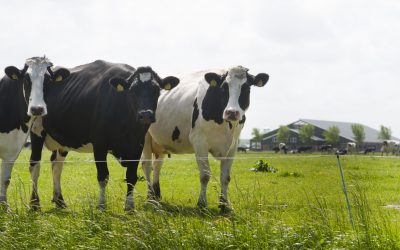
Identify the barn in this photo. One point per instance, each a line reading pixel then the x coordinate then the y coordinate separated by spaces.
pixel 270 140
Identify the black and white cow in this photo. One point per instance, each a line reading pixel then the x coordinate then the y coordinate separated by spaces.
pixel 204 114
pixel 102 107
pixel 350 147
pixel 21 101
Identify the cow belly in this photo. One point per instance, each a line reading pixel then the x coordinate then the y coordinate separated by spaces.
pixel 52 145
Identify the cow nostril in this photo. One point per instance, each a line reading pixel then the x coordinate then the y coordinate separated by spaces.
pixel 37 110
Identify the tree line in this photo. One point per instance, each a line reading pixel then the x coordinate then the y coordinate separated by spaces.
pixel 331 135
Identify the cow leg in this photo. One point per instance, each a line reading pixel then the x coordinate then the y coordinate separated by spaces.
pixel 147 166
pixel 34 168
pixel 131 177
pixel 102 176
pixel 6 168
pixel 205 173
pixel 156 181
pixel 57 162
pixel 225 178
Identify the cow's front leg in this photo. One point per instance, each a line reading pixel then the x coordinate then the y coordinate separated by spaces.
pixel 225 178
pixel 34 168
pixel 57 162
pixel 205 174
pixel 102 176
pixel 157 164
pixel 131 177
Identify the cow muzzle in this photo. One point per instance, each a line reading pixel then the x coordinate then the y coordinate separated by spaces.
pixel 37 111
pixel 146 116
pixel 232 115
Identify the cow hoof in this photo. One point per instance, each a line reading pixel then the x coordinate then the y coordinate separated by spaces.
pixel 202 204
pixel 102 206
pixel 3 204
pixel 35 205
pixel 60 203
pixel 129 206
pixel 225 209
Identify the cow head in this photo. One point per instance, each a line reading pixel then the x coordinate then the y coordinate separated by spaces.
pixel 32 77
pixel 144 86
pixel 230 93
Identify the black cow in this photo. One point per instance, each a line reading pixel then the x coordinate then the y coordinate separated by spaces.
pixel 370 149
pixel 21 101
pixel 325 148
pixel 304 149
pixel 102 107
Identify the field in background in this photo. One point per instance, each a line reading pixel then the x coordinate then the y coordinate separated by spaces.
pixel 300 206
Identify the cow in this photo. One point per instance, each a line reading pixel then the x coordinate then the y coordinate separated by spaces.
pixel 304 149
pixel 21 101
pixel 283 148
pixel 242 149
pixel 350 147
pixel 390 146
pixel 101 108
pixel 204 114
pixel 369 149
pixel 325 148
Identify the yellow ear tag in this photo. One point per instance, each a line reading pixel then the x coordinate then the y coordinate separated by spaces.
pixel 59 78
pixel 260 83
pixel 168 86
pixel 213 83
pixel 120 88
pixel 14 77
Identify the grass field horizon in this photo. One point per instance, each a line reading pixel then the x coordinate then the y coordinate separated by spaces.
pixel 300 206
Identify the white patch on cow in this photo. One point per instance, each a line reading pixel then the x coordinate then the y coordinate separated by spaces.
pixel 144 77
pixel 52 145
pixel 37 69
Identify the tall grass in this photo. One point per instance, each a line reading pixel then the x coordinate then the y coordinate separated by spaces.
pixel 271 210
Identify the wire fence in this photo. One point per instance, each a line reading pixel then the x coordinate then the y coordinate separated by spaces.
pixel 194 158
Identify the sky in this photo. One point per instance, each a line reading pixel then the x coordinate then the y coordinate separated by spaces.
pixel 330 60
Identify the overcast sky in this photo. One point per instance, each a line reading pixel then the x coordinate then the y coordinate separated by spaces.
pixel 329 60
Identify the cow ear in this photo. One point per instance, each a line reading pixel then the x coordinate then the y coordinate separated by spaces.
pixel 60 74
pixel 260 80
pixel 169 82
pixel 213 79
pixel 119 84
pixel 13 73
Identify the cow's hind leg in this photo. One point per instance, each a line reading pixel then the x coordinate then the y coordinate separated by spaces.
pixel 57 162
pixel 6 168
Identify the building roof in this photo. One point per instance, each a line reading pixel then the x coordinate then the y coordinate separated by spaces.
pixel 371 135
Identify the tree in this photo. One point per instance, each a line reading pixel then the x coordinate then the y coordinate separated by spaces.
pixel 283 134
pixel 385 133
pixel 306 132
pixel 332 135
pixel 256 133
pixel 358 132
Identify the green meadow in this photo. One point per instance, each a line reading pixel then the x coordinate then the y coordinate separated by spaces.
pixel 301 206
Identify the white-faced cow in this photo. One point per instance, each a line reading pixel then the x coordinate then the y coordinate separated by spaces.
pixel 350 147
pixel 204 114
pixel 21 101
pixel 102 107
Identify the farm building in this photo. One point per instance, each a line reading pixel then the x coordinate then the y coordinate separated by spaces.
pixel 270 140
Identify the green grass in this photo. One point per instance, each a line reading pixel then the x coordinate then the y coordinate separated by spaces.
pixel 301 206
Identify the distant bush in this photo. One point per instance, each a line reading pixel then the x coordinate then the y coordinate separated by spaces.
pixel 262 166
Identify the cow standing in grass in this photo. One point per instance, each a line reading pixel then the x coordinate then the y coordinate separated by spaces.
pixel 21 101
pixel 102 107
pixel 204 114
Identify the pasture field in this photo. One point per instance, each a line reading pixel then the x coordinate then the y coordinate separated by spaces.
pixel 301 206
